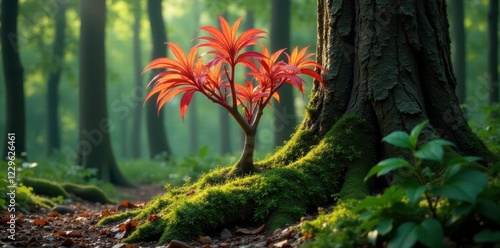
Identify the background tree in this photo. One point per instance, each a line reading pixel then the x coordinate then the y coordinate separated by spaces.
pixel 53 129
pixel 139 83
pixel 284 110
pixel 14 79
pixel 493 52
pixel 457 8
pixel 94 146
pixel 157 136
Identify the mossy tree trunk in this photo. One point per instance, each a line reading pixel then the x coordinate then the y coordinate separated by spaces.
pixel 389 61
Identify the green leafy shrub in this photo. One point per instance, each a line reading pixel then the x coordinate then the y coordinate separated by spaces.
pixel 458 202
pixel 489 129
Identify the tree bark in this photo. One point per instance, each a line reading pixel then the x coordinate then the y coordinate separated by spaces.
pixel 53 129
pixel 95 127
pixel 157 136
pixel 493 52
pixel 284 111
pixel 389 62
pixel 457 8
pixel 139 86
pixel 14 80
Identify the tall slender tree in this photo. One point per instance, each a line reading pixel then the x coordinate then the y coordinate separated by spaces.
pixel 457 8
pixel 14 79
pixel 53 129
pixel 138 82
pixel 284 110
pixel 493 52
pixel 157 136
pixel 95 127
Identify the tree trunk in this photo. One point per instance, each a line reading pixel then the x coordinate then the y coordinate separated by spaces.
pixel 139 86
pixel 389 63
pixel 14 80
pixel 95 127
pixel 457 8
pixel 284 111
pixel 157 136
pixel 493 52
pixel 224 127
pixel 53 130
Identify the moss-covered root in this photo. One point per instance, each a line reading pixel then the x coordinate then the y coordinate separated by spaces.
pixel 87 192
pixel 277 196
pixel 301 142
pixel 45 187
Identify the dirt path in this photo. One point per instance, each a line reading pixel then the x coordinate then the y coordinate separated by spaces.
pixel 77 228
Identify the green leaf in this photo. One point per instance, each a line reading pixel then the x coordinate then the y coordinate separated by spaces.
pixel 386 166
pixel 430 233
pixel 414 194
pixel 398 138
pixel 442 142
pixel 430 151
pixel 406 235
pixel 463 186
pixel 416 132
pixel 489 209
pixel 384 226
pixel 487 236
pixel 460 211
pixel 451 171
pixel 372 237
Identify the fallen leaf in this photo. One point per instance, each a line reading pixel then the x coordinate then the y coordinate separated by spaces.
pixel 74 234
pixel 131 246
pixel 103 232
pixel 105 213
pixel 126 204
pixel 67 242
pixel 191 192
pixel 280 244
pixel 41 222
pixel 205 239
pixel 85 214
pixel 178 244
pixel 4 220
pixel 20 215
pixel 153 217
pixel 54 214
pixel 248 231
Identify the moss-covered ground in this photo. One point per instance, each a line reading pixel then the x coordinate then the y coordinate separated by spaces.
pixel 306 173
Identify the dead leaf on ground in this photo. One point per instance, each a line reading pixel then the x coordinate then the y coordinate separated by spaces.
pixel 74 234
pixel 280 244
pixel 191 192
pixel 42 222
pixel 105 213
pixel 54 214
pixel 205 239
pixel 153 217
pixel 68 242
pixel 248 231
pixel 126 204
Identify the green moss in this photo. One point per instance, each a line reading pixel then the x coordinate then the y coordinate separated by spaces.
pixel 45 187
pixel 301 142
pixel 277 196
pixel 87 192
pixel 27 201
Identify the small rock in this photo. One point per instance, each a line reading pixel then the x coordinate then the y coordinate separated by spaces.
pixel 47 227
pixel 48 245
pixel 225 234
pixel 8 246
pixel 49 238
pixel 261 244
pixel 62 209
pixel 119 245
pixel 205 239
pixel 277 231
pixel 248 246
pixel 177 244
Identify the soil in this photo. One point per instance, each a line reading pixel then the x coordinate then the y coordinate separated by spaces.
pixel 74 225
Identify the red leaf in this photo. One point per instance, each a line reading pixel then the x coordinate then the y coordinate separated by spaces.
pixel 41 222
pixel 153 217
pixel 126 204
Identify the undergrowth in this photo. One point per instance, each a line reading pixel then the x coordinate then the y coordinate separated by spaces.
pixel 458 203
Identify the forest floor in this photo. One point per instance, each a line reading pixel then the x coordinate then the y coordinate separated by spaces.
pixel 77 228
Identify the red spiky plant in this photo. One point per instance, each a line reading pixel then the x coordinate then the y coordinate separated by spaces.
pixel 187 74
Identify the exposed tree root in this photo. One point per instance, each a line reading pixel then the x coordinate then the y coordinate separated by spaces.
pixel 279 195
